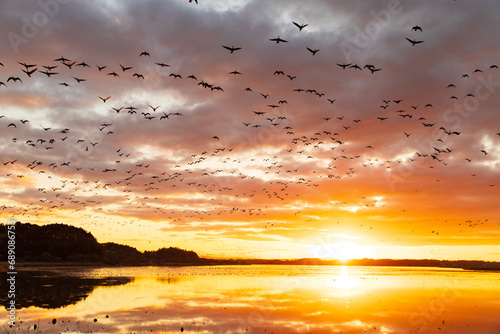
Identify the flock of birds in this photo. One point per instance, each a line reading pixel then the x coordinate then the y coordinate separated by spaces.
pixel 230 184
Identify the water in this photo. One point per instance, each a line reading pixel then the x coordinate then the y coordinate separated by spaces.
pixel 256 299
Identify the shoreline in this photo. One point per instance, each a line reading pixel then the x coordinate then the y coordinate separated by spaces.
pixel 471 266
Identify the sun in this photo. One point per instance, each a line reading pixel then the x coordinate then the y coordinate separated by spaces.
pixel 342 250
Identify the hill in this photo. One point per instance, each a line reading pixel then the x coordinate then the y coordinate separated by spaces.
pixel 64 244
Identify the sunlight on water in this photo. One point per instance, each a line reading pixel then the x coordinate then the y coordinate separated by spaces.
pixel 259 299
pixel 344 281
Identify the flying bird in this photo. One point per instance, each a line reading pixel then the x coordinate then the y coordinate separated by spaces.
pixel 413 41
pixel 27 66
pixel 48 73
pixel 313 51
pixel 278 40
pixel 79 80
pixel 83 64
pixel 232 48
pixel 104 99
pixel 15 79
pixel 61 59
pixel 49 68
pixel 29 73
pixel 344 66
pixel 300 26
pixel 70 65
pixel 125 68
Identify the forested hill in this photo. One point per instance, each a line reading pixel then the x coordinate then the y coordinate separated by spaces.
pixel 60 243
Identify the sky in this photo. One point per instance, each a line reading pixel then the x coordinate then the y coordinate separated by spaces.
pixel 220 140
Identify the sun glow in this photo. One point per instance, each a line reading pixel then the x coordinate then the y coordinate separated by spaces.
pixel 341 250
pixel 344 280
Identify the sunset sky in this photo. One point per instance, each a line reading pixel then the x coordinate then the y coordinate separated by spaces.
pixel 293 157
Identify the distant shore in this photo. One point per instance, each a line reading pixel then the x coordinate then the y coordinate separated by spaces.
pixel 459 264
pixel 60 245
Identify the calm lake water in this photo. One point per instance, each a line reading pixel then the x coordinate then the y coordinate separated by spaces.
pixel 256 299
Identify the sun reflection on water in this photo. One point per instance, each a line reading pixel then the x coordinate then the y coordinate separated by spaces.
pixel 344 280
pixel 279 299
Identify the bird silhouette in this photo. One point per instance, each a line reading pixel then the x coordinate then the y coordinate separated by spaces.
pixel 300 26
pixel 313 51
pixel 278 40
pixel 413 41
pixel 232 48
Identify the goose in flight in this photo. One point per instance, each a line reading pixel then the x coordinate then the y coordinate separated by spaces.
pixel 48 73
pixel 29 73
pixel 344 66
pixel 104 99
pixel 14 78
pixel 70 65
pixel 300 26
pixel 27 66
pixel 145 53
pixel 84 64
pixel 125 68
pixel 49 68
pixel 413 41
pixel 61 59
pixel 232 48
pixel 416 28
pixel 278 40
pixel 313 51
pixel 79 80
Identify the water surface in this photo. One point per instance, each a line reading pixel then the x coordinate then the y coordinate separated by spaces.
pixel 258 299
